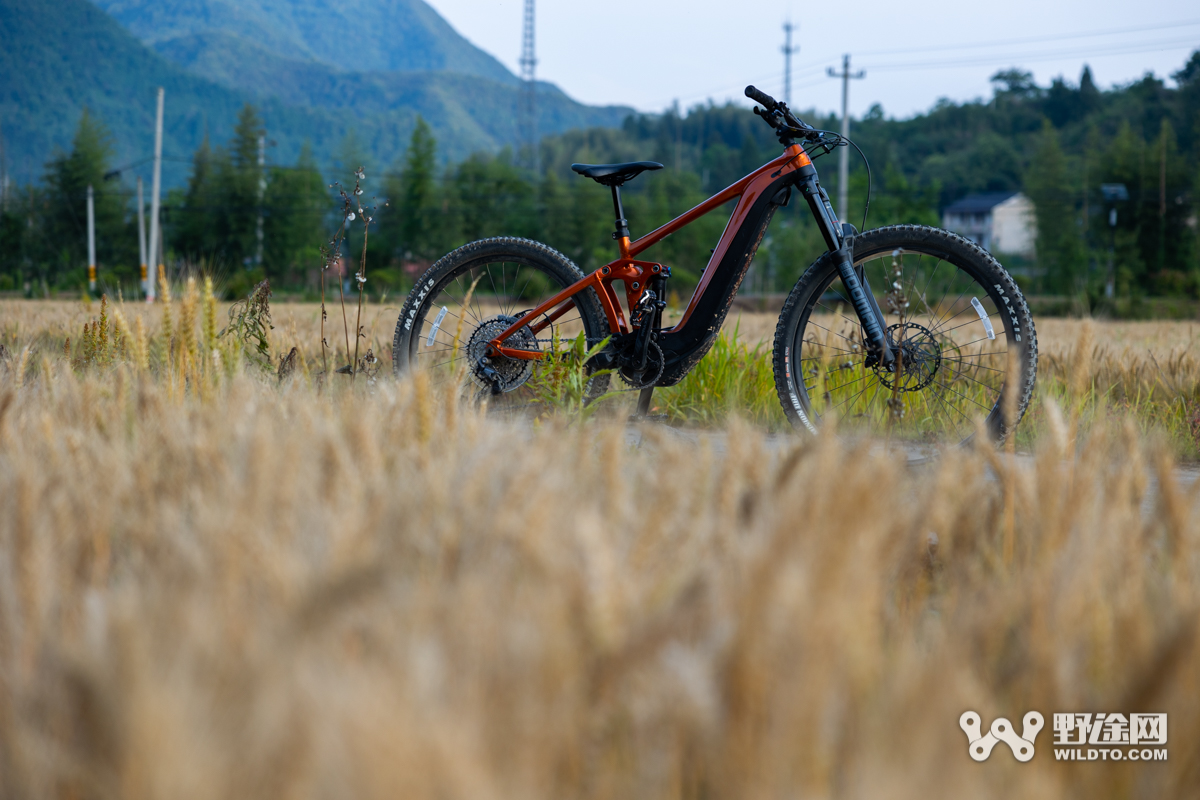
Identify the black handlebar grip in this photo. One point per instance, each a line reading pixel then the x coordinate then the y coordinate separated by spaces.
pixel 761 97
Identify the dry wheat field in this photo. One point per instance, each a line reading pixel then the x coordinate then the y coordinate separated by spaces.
pixel 217 583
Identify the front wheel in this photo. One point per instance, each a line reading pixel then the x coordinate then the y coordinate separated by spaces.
pixel 954 314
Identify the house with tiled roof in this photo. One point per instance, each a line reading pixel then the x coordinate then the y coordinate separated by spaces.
pixel 1000 222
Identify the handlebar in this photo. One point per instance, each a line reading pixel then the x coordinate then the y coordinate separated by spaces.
pixel 762 98
pixel 777 115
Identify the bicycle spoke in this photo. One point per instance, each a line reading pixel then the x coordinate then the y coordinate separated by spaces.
pixel 939 382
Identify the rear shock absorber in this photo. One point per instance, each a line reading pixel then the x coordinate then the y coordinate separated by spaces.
pixel 650 315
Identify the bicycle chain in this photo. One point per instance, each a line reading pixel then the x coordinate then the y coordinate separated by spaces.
pixel 643 384
pixel 635 386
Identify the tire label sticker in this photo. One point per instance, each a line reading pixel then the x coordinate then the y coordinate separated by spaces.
pixel 437 323
pixel 983 315
pixel 416 305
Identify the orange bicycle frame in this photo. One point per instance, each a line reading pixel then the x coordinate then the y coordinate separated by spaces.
pixel 635 274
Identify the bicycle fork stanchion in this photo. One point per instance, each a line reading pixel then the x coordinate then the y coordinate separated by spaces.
pixel 860 296
pixel 840 239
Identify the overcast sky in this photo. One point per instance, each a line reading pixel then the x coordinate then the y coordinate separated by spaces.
pixel 648 53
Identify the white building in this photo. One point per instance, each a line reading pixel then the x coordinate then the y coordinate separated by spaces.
pixel 1000 222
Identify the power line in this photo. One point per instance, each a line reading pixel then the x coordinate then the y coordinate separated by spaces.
pixel 1123 49
pixel 1034 39
pixel 1092 51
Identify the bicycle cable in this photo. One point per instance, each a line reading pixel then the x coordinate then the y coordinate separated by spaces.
pixel 837 140
pixel 867 164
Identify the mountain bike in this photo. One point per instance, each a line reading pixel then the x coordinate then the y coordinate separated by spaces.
pixel 906 331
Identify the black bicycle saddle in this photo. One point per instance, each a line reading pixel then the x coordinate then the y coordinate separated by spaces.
pixel 615 174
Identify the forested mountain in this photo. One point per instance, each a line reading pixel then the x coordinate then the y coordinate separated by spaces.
pixel 347 35
pixel 1057 143
pixel 59 56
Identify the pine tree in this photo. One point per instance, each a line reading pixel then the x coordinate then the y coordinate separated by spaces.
pixel 194 235
pixel 297 204
pixel 1060 250
pixel 67 178
pixel 417 204
pixel 1088 92
pixel 1165 247
pixel 240 187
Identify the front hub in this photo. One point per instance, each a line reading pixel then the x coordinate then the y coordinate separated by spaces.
pixel 918 357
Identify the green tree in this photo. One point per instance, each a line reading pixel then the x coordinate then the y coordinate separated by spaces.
pixel 417 207
pixel 1123 162
pixel 297 205
pixel 490 196
pixel 14 241
pixel 351 154
pixel 217 219
pixel 198 231
pixel 244 187
pixel 1060 251
pixel 895 199
pixel 68 175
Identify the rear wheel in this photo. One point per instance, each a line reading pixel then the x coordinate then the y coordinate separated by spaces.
pixel 955 314
pixel 475 293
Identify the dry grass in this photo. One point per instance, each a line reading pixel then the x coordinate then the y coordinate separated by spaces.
pixel 297 324
pixel 216 586
pixel 1107 372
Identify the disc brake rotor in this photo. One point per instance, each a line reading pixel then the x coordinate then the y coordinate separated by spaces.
pixel 920 358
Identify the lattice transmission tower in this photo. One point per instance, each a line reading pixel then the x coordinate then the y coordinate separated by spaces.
pixel 788 51
pixel 528 120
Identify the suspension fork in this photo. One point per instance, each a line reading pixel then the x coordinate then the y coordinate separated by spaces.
pixel 839 237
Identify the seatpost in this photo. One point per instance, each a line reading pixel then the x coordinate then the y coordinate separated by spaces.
pixel 622 223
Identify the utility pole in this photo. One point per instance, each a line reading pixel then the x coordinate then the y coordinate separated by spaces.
pixel 529 124
pixel 788 50
pixel 155 188
pixel 844 160
pixel 1113 193
pixel 91 216
pixel 142 232
pixel 262 193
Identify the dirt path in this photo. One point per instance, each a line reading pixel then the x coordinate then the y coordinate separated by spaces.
pixel 639 434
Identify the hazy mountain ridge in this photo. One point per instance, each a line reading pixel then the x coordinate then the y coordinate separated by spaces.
pixel 58 57
pixel 351 35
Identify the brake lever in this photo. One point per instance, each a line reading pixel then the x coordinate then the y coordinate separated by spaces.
pixel 773 118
